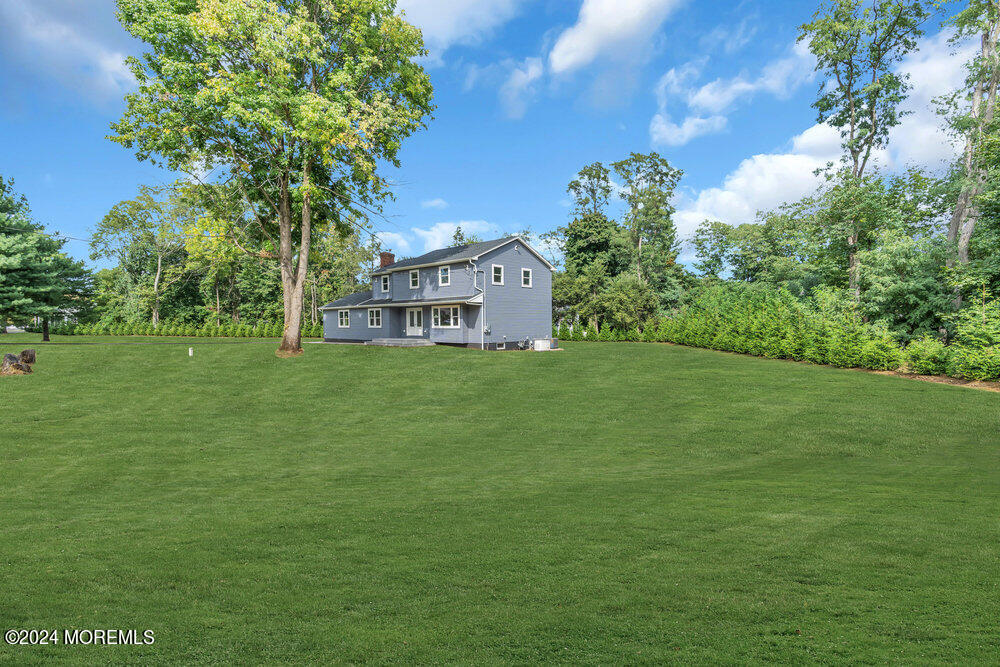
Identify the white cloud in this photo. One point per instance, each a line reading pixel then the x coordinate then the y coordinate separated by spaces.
pixel 935 70
pixel 618 28
pixel 516 82
pixel 760 182
pixel 779 77
pixel 436 203
pixel 663 131
pixel 391 241
pixel 519 88
pixel 440 234
pixel 707 104
pixel 677 82
pixel 446 23
pixel 730 39
pixel 56 41
pixel 764 181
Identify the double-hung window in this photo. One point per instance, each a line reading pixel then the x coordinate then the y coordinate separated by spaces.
pixel 498 274
pixel 415 279
pixel 343 319
pixel 525 277
pixel 385 283
pixel 374 318
pixel 445 317
pixel 444 276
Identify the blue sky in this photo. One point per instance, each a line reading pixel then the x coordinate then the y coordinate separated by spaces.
pixel 527 92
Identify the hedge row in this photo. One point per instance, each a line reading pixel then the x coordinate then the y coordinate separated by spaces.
pixel 258 330
pixel 769 322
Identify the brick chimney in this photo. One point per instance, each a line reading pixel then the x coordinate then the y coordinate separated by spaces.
pixel 385 259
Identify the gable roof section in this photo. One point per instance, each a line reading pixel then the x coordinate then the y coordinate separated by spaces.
pixel 355 299
pixel 459 253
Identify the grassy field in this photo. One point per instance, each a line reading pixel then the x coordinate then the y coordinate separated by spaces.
pixel 607 503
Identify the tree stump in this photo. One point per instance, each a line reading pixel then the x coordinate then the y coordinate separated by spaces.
pixel 27 356
pixel 11 365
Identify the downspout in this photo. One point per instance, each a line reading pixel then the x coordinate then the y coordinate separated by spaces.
pixel 482 323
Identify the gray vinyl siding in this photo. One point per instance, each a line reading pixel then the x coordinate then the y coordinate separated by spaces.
pixel 359 329
pixel 513 312
pixel 467 332
pixel 461 284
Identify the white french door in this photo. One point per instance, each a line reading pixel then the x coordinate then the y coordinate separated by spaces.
pixel 414 321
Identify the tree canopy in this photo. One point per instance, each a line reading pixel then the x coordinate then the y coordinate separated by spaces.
pixel 299 124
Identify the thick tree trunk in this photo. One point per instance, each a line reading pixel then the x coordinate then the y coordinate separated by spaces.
pixel 293 283
pixel 45 329
pixel 638 260
pixel 156 290
pixel 853 281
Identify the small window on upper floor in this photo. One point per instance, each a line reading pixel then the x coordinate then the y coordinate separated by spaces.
pixel 525 277
pixel 385 283
pixel 414 278
pixel 444 276
pixel 498 274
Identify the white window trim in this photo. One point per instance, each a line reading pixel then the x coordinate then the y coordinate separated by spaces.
pixel 415 272
pixel 436 317
pixel 370 312
pixel 530 277
pixel 493 273
pixel 441 281
pixel 386 283
pixel 340 320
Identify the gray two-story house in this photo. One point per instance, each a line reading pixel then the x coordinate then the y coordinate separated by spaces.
pixel 489 295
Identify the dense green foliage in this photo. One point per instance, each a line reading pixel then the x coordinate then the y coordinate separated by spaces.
pixel 619 271
pixel 258 329
pixel 769 322
pixel 172 263
pixel 927 355
pixel 297 106
pixel 38 281
pixel 658 505
pixel 976 352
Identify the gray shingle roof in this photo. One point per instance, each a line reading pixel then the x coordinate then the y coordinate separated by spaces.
pixel 453 254
pixel 355 299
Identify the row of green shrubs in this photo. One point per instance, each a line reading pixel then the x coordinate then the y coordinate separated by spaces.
pixel 258 330
pixel 825 329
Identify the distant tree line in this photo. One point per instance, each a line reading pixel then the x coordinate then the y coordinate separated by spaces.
pixel 909 256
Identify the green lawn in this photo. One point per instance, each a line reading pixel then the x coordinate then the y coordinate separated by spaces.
pixel 607 503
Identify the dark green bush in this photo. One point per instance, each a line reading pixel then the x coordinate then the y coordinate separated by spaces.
pixel 974 363
pixel 771 322
pixel 927 356
pixel 881 352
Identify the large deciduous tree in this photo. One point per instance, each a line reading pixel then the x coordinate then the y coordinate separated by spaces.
pixel 971 114
pixel 648 184
pixel 297 103
pixel 857 45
